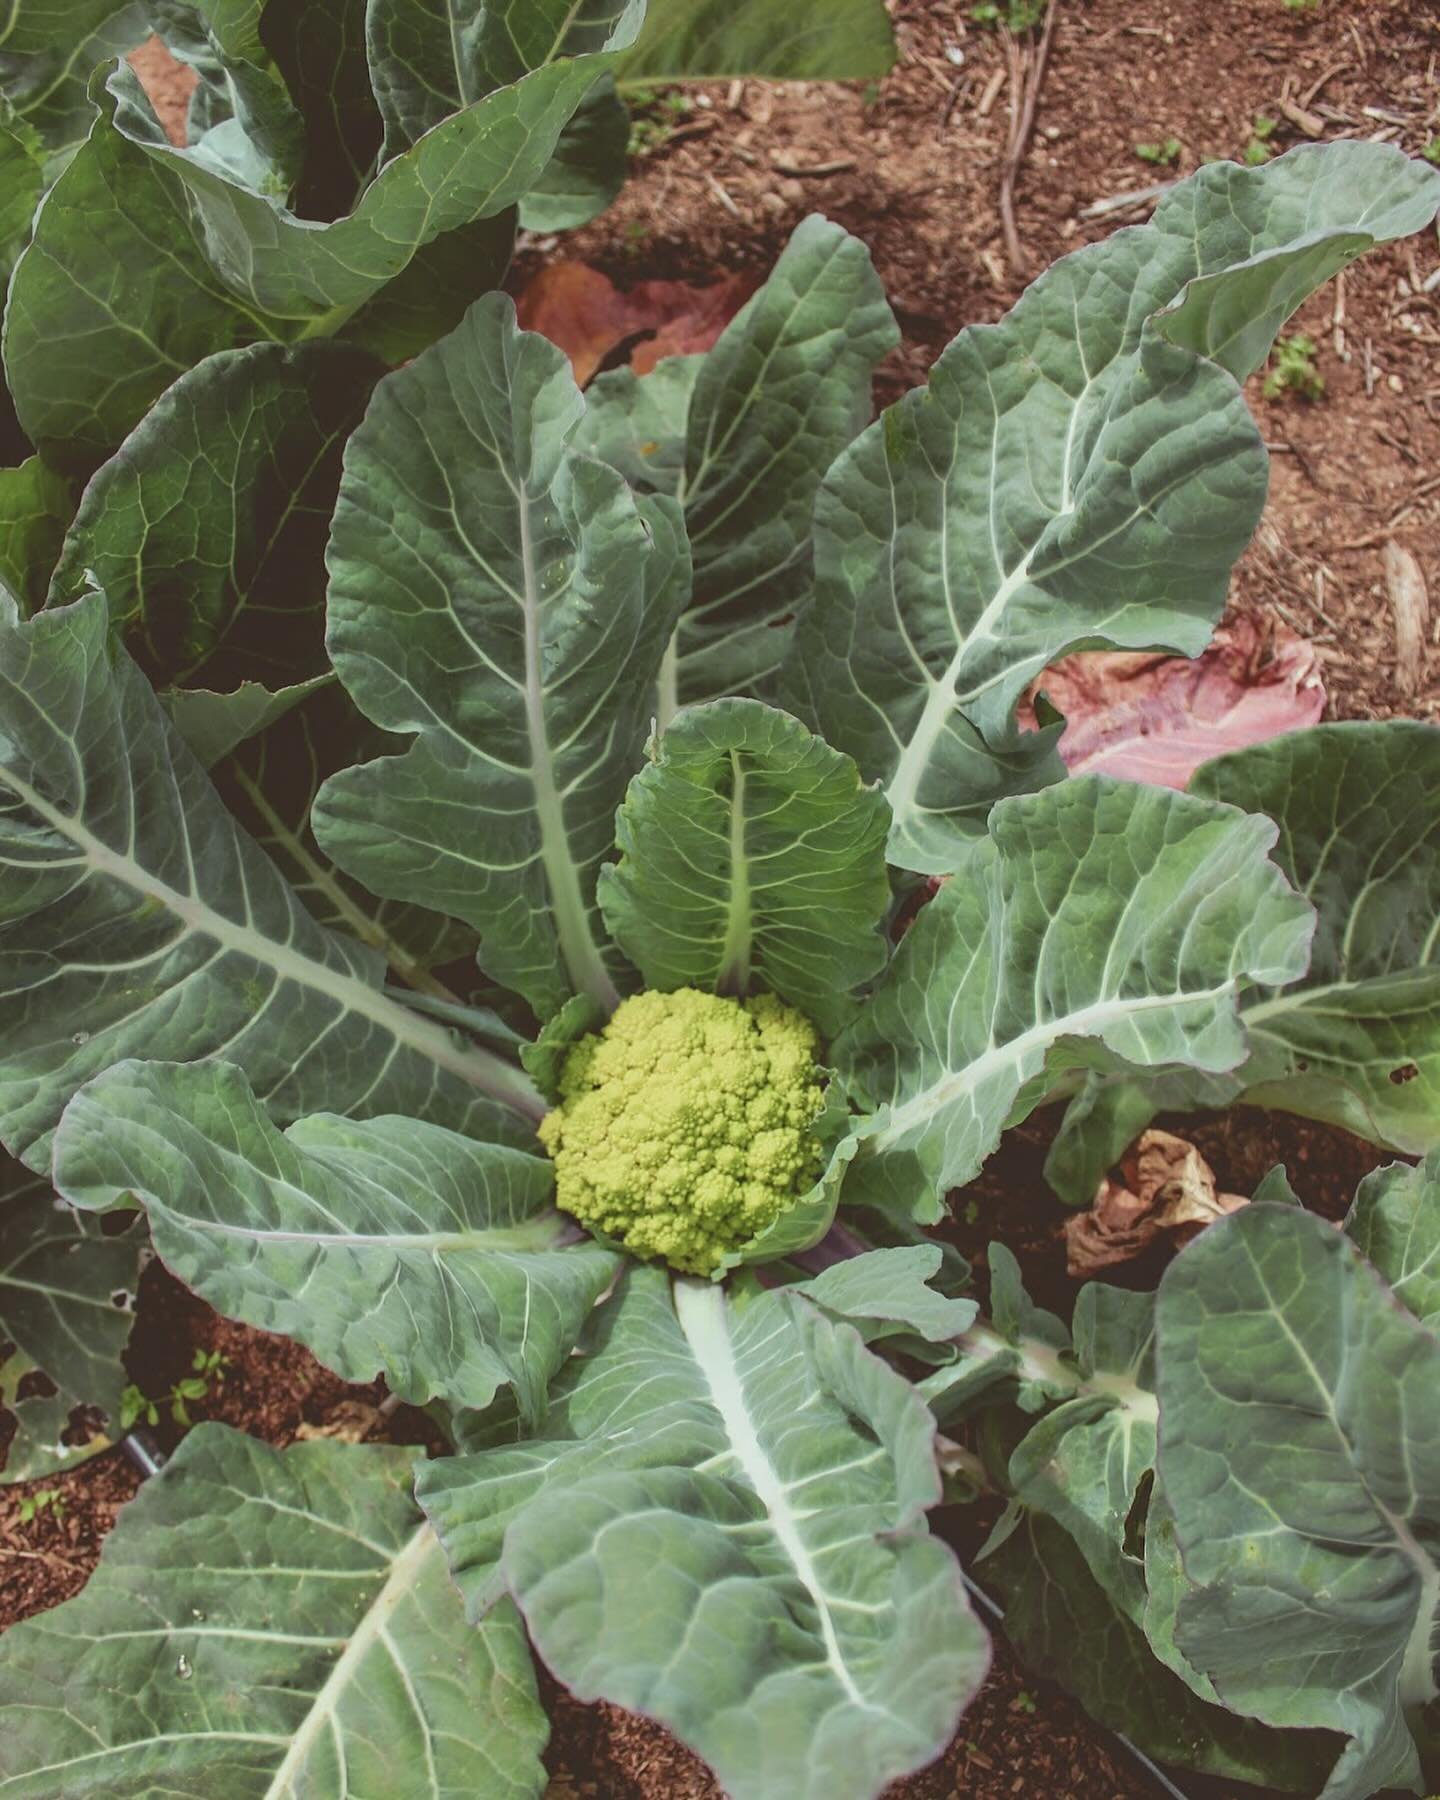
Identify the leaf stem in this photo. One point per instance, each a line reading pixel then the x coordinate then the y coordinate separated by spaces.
pixel 572 924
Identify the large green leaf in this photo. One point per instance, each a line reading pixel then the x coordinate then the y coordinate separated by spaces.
pixel 1357 1043
pixel 1067 1627
pixel 91 290
pixel 1300 1453
pixel 846 40
pixel 784 390
pixel 269 782
pixel 1077 475
pixel 751 856
pixel 137 918
pixel 762 1480
pixel 66 1292
pixel 1101 923
pixel 35 507
pixel 22 176
pixel 432 58
pixel 240 86
pixel 509 602
pixel 1395 1221
pixel 206 530
pixel 390 1246
pixel 319 49
pixel 47 51
pixel 588 168
pixel 264 1623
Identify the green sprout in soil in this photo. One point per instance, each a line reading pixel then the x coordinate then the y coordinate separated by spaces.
pixel 654 115
pixel 135 1404
pixel 1431 152
pixel 1293 369
pixel 1017 16
pixel 1301 6
pixel 1259 150
pixel 1024 1702
pixel 1162 154
pixel 49 1500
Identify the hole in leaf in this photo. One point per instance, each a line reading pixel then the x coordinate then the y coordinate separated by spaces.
pixel 35 1384
pixel 1135 1518
pixel 1406 1072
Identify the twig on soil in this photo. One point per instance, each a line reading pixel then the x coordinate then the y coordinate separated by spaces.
pixel 992 90
pixel 1097 209
pixel 1301 119
pixel 1026 75
pixel 1337 318
pixel 1316 88
pixel 721 195
pixel 45 1556
pixel 1369 370
pixel 1409 602
pixel 836 166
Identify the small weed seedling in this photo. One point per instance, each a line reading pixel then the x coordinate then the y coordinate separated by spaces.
pixel 654 116
pixel 1259 149
pixel 135 1405
pixel 1017 16
pixel 49 1500
pixel 1162 154
pixel 1293 369
pixel 1431 152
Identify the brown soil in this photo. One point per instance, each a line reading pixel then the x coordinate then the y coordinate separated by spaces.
pixel 921 154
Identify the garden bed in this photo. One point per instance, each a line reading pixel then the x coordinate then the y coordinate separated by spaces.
pixel 911 166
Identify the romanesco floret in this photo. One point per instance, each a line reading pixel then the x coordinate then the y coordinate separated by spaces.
pixel 686 1126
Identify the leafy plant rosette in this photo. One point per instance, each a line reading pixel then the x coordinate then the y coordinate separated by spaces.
pixel 669 695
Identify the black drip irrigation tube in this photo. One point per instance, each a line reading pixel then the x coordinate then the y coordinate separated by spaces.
pixel 149 1459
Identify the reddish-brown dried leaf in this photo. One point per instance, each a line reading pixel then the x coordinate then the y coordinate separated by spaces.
pixel 1145 716
pixel 1165 1188
pixel 583 312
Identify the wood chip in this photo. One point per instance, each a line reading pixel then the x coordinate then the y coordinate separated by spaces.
pixel 991 94
pixel 1409 602
pixel 1307 122
pixel 836 166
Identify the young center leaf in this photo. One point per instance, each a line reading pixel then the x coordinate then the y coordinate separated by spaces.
pixel 744 448
pixel 1300 1455
pixel 1100 924
pixel 766 1479
pixel 388 1246
pixel 206 530
pixel 1085 472
pixel 751 856
pixel 509 603
pixel 271 1622
pixel 66 1293
pixel 139 919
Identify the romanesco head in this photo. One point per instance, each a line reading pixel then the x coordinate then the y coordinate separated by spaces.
pixel 687 1125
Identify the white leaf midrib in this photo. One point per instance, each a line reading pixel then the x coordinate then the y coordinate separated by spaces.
pixel 700 1307
pixel 372 1631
